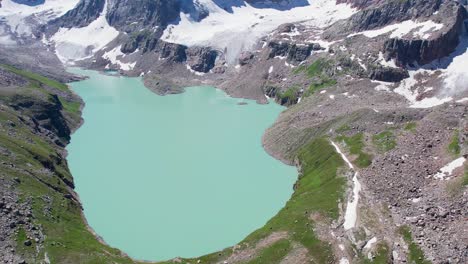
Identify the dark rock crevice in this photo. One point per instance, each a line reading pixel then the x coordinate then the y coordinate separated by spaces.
pixel 47 114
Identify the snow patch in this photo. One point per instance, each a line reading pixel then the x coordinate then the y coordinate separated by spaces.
pixel 350 165
pixel 391 63
pixel 113 55
pixel 382 86
pixel 456 75
pixel 289 65
pixel 362 64
pixel 270 70
pixel 72 44
pixel 350 217
pixel 405 89
pixel 370 243
pixel 194 71
pixel 14 14
pixel 430 102
pixel 7 41
pixel 46 258
pixel 446 171
pixel 351 209
pixel 399 30
pixel 344 261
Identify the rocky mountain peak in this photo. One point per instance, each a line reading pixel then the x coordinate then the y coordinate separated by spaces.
pixel 82 15
pixel 130 15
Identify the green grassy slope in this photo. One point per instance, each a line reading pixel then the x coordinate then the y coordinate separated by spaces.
pixel 54 208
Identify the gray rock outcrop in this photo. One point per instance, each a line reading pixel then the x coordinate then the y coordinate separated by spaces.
pixel 201 59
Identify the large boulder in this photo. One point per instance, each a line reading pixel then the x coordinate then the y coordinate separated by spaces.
pixel 388 74
pixel 294 53
pixel 172 52
pixel 201 59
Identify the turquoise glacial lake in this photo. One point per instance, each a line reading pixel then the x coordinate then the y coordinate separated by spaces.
pixel 179 175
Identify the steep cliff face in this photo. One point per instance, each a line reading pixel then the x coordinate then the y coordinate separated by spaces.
pixel 124 15
pixel 292 52
pixel 46 114
pixel 131 16
pixel 82 15
pixel 444 20
pixel 387 13
pixel 37 199
pixel 201 59
pixel 423 51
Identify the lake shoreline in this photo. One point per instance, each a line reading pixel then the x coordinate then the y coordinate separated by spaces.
pixel 101 238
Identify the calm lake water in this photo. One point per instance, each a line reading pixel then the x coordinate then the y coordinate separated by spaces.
pixel 179 175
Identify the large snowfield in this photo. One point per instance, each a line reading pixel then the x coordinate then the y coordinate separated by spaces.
pixel 76 43
pixel 235 29
pixel 14 13
pixel 240 29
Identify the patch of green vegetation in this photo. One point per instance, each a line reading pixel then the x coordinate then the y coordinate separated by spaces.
pixel 21 236
pixel 273 254
pixel 454 148
pixel 343 128
pixel 384 141
pixel 381 255
pixel 67 239
pixel 416 255
pixel 35 91
pixel 72 107
pixel 356 147
pixel 321 84
pixel 290 95
pixel 411 126
pixel 317 72
pixel 317 193
pixel 37 77
pixel 315 69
